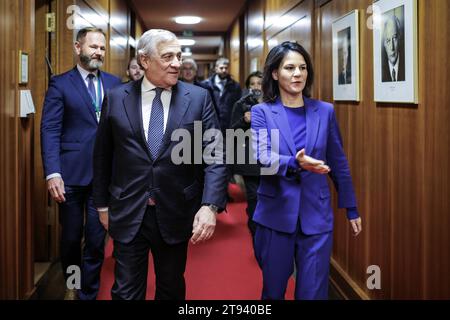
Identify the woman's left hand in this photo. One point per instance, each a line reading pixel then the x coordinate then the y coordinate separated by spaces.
pixel 356 226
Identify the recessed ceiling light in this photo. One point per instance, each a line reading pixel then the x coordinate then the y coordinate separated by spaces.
pixel 188 20
pixel 186 42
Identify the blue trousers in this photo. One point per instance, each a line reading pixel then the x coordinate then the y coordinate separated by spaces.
pixel 79 217
pixel 276 253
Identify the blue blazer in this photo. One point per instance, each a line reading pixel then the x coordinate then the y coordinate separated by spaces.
pixel 125 174
pixel 284 197
pixel 69 125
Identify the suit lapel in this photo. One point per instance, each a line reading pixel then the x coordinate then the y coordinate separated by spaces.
pixel 80 86
pixel 280 118
pixel 179 103
pixel 312 125
pixel 133 108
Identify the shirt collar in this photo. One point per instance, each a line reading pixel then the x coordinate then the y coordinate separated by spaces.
pixel 218 80
pixel 148 86
pixel 84 73
pixel 394 66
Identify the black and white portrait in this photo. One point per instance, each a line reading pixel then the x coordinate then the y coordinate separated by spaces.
pixel 344 58
pixel 395 53
pixel 392 46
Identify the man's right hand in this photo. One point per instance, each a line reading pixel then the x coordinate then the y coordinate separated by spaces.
pixel 104 218
pixel 247 116
pixel 56 188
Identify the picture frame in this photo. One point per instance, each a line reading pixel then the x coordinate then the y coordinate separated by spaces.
pixel 395 51
pixel 23 67
pixel 346 70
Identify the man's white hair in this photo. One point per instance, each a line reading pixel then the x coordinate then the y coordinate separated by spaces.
pixel 149 41
pixel 189 61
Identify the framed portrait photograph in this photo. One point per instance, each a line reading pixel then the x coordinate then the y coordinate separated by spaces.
pixel 346 57
pixel 395 51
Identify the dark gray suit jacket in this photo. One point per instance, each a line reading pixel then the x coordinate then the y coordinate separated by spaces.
pixel 125 174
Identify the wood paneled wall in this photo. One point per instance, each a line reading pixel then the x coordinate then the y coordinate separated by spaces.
pixel 254 37
pixel 235 44
pixel 16 167
pixel 24 211
pixel 399 154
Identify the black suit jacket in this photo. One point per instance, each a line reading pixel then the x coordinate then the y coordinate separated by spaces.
pixel 225 102
pixel 345 77
pixel 125 174
pixel 386 75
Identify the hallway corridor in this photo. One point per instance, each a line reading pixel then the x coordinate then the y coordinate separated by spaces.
pixel 221 269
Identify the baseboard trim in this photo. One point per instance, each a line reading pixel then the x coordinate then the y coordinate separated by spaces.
pixel 344 285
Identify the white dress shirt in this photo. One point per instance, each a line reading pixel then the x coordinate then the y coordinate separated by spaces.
pixel 84 74
pixel 148 94
pixel 220 83
pixel 394 67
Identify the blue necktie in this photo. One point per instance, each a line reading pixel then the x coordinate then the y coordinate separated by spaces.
pixel 156 124
pixel 91 87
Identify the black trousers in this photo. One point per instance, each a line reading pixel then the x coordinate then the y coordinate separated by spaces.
pixel 251 186
pixel 132 264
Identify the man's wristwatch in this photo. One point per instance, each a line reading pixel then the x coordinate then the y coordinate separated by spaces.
pixel 213 207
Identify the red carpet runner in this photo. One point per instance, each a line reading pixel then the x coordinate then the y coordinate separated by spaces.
pixel 223 268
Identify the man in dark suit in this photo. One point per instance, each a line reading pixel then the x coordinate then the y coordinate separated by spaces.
pixel 226 92
pixel 68 128
pixel 393 63
pixel 145 197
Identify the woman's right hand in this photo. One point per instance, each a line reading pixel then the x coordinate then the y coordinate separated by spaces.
pixel 247 116
pixel 311 164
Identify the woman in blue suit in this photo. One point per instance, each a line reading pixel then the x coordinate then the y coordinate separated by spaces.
pixel 298 143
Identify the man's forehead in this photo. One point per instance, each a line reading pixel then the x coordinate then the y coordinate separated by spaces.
pixel 95 36
pixel 169 47
pixel 391 26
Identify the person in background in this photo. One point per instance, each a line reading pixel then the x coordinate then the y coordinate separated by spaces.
pixel 188 71
pixel 69 124
pixel 298 140
pixel 134 70
pixel 241 119
pixel 225 90
pixel 188 74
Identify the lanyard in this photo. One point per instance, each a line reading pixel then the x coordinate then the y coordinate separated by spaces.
pixel 96 103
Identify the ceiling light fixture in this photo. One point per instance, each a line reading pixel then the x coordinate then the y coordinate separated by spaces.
pixel 186 42
pixel 187 20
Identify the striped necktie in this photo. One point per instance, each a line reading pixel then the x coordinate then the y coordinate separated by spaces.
pixel 156 124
